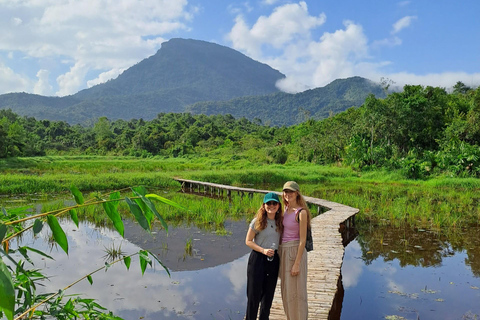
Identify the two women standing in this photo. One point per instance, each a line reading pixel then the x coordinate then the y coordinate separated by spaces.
pixel 291 231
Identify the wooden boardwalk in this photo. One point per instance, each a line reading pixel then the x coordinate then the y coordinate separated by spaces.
pixel 331 230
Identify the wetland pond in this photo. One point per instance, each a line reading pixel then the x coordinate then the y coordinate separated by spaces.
pixel 387 273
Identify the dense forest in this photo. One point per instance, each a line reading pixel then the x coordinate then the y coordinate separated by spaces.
pixel 420 131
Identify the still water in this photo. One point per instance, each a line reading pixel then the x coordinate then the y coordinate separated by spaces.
pixel 398 274
pixel 204 285
pixel 387 273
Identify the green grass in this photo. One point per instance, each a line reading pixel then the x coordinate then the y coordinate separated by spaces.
pixel 382 197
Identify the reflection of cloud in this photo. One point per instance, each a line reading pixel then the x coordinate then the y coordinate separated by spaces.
pixel 352 267
pixel 127 293
pixel 234 272
pixel 393 286
pixel 383 268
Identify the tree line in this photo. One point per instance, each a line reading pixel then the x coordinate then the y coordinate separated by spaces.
pixel 420 131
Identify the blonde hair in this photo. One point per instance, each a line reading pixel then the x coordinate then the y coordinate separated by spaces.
pixel 261 222
pixel 301 203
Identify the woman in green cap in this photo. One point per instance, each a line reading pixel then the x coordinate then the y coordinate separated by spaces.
pixel 263 237
pixel 293 255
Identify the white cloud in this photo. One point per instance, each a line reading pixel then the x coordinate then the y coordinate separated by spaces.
pixel 104 77
pixel 445 80
pixel 12 82
pixel 69 82
pixel 287 23
pixel 308 63
pixel 98 35
pixel 402 23
pixel 388 42
pixel 337 54
pixel 16 21
pixel 42 86
pixel 270 2
pixel 403 3
pixel 238 8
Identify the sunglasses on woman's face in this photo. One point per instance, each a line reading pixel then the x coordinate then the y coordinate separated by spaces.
pixel 271 203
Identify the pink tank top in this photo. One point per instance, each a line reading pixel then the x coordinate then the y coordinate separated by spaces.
pixel 291 228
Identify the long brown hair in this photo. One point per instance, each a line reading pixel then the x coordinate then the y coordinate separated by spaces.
pixel 262 216
pixel 301 203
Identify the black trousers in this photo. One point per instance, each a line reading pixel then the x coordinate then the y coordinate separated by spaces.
pixel 262 276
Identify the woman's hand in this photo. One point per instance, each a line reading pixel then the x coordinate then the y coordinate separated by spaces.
pixel 268 252
pixel 295 270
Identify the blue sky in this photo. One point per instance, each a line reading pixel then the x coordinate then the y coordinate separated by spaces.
pixel 58 47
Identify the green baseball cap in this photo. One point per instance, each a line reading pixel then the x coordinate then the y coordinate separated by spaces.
pixel 271 196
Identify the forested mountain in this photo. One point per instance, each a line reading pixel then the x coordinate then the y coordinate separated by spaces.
pixel 198 77
pixel 287 109
pixel 420 131
pixel 191 71
pixel 182 72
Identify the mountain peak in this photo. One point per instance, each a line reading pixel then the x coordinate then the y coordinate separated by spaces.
pixel 187 75
pixel 201 69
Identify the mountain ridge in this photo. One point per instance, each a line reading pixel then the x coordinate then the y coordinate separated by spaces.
pixel 187 75
pixel 317 103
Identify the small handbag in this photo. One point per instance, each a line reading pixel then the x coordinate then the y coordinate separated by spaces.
pixel 309 241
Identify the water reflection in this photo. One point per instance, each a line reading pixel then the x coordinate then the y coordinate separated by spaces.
pixel 209 249
pixel 211 293
pixel 414 274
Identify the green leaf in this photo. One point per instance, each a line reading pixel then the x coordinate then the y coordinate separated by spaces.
pixel 23 252
pixel 3 231
pixel 76 194
pixel 144 260
pixel 114 215
pixel 139 192
pixel 146 211
pixel 74 216
pixel 4 212
pixel 165 200
pixel 151 206
pixel 90 279
pixel 58 233
pixel 37 226
pixel 160 262
pixel 137 212
pixel 115 196
pixel 7 292
pixel 127 261
pixel 69 305
pixel 107 266
pixel 43 254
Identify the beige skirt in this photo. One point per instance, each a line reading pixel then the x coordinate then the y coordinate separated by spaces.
pixel 294 288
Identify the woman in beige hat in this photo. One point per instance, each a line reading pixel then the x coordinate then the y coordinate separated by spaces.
pixel 293 255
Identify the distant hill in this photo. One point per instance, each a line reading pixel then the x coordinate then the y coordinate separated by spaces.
pixel 288 109
pixel 198 77
pixel 191 71
pixel 182 72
